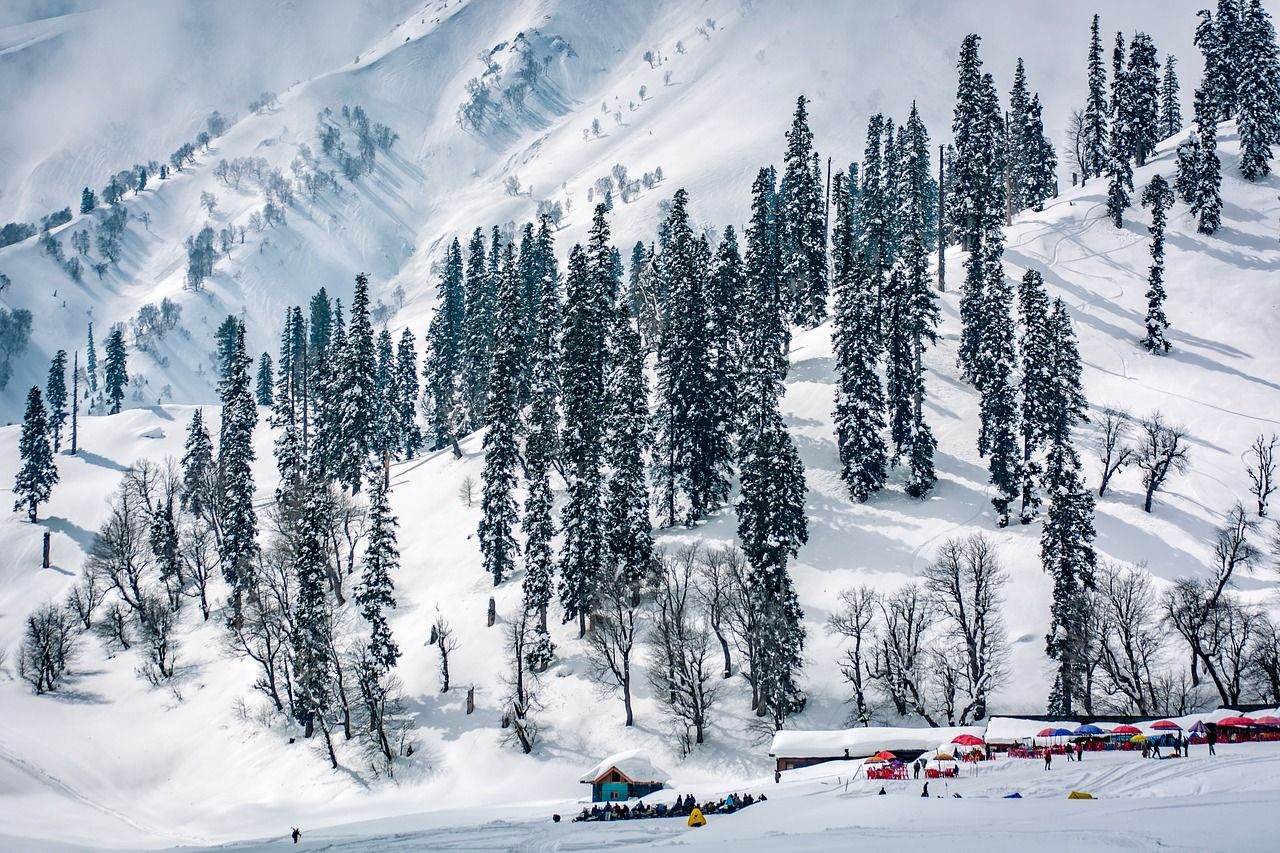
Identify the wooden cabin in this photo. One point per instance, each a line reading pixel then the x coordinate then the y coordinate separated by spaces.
pixel 625 776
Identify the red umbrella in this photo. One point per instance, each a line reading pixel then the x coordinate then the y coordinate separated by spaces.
pixel 885 755
pixel 1267 721
pixel 1166 725
pixel 1236 721
pixel 1126 730
pixel 1050 732
pixel 968 740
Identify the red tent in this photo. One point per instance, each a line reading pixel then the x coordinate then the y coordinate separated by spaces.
pixel 1166 726
pixel 968 740
pixel 1126 730
pixel 1236 721
pixel 1267 721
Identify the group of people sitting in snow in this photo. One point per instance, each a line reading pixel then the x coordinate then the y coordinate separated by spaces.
pixel 683 807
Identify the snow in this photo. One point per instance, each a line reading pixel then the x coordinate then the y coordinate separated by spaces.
pixel 633 763
pixel 115 763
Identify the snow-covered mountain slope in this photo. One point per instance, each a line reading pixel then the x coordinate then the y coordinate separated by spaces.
pixel 114 762
pixel 408 66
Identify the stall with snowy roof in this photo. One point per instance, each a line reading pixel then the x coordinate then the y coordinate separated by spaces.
pixel 792 749
pixel 625 776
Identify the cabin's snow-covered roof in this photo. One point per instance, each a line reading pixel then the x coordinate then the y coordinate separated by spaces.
pixel 634 764
pixel 862 742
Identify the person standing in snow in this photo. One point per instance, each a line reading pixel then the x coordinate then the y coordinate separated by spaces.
pixel 915 769
pixel 1048 759
pixel 925 793
pixel 297 833
pixel 1080 751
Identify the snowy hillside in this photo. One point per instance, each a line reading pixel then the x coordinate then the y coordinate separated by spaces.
pixel 112 761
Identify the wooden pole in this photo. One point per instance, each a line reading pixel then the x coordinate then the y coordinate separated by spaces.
pixel 942 237
pixel 75 400
pixel 45 563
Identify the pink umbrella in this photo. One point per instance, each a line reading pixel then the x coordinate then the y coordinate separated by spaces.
pixel 1166 726
pixel 1126 730
pixel 968 740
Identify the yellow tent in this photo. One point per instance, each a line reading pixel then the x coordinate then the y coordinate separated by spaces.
pixel 696 818
pixel 1079 795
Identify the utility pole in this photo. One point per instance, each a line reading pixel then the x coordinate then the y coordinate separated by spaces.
pixel 942 236
pixel 75 400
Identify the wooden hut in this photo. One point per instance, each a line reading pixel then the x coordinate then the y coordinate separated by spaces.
pixel 625 776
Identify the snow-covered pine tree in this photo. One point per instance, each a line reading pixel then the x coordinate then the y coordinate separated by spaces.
pixel 1036 347
pixel 802 240
pixel 1233 42
pixel 408 390
pixel 312 636
pixel 589 293
pixel 498 504
pixel 1218 81
pixel 197 494
pixel 626 437
pixel 478 331
pixel 724 341
pixel 1119 170
pixel 446 351
pixel 977 188
pixel 869 225
pixel 1187 176
pixel 859 412
pixel 890 173
pixel 115 374
pixel 1159 198
pixel 91 362
pixel 1206 198
pixel 542 447
pixel 38 473
pixel 1067 406
pixel 375 594
pixel 765 335
pixel 1142 93
pixel 1015 154
pixel 386 430
pixel 998 409
pixel 1096 109
pixel 1041 161
pixel 239 520
pixel 264 385
pixel 1067 554
pixel 357 392
pixel 1170 105
pixel 329 338
pixel 1259 91
pixel 772 526
pixel 692 454
pixel 56 395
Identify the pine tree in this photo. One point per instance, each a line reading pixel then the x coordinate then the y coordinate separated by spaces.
pixel 88 201
pixel 1015 153
pixel 725 288
pixel 56 394
pixel 772 527
pixel 1259 91
pixel 626 436
pixel 197 494
pixel 582 379
pixel 501 451
pixel 859 413
pixel 386 440
pixel 802 242
pixel 542 447
pixel 116 371
pixel 870 223
pixel 38 473
pixel 1119 170
pixel 1217 86
pixel 1159 198
pixel 1067 406
pixel 224 338
pixel 312 635
pixel 691 450
pixel 1170 106
pixel 1142 93
pixel 357 392
pixel 478 331
pixel 998 410
pixel 91 362
pixel 765 335
pixel 1036 347
pixel 1232 35
pixel 408 389
pixel 1067 554
pixel 977 192
pixel 375 594
pixel 265 387
pixel 1206 198
pixel 235 460
pixel 445 351
pixel 1096 109
pixel 1187 177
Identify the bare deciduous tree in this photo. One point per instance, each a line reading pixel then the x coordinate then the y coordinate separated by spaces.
pixel 522 683
pixel 1112 446
pixel 681 672
pixel 967 584
pixel 49 645
pixel 720 568
pixel 900 653
pixel 442 637
pixel 1262 470
pixel 1131 638
pixel 615 626
pixel 854 620
pixel 1075 155
pixel 85 597
pixel 1161 451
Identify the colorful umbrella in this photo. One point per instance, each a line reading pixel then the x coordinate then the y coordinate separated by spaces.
pixel 1166 726
pixel 1126 730
pixel 1236 721
pixel 875 759
pixel 1267 721
pixel 1089 729
pixel 1137 738
pixel 1198 728
pixel 968 740
pixel 1052 733
pixel 1061 733
pixel 885 755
